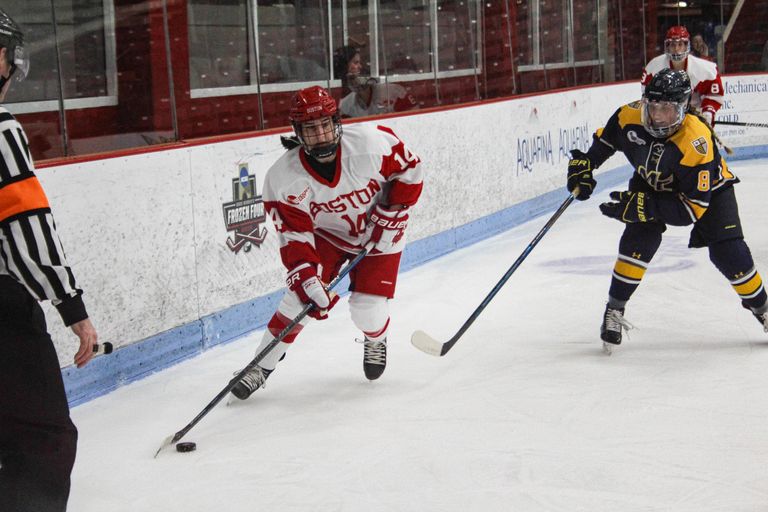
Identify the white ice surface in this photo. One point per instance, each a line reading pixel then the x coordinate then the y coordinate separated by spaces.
pixel 524 414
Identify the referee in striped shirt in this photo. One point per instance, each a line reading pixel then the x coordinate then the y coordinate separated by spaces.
pixel 38 440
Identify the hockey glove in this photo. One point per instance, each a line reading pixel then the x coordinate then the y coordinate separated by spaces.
pixel 630 207
pixel 303 281
pixel 580 175
pixel 386 227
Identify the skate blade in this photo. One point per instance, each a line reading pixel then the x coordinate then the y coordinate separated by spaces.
pixel 607 348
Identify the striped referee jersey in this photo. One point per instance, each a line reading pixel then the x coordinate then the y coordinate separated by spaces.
pixel 30 250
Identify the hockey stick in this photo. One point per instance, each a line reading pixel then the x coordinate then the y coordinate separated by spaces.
pixel 175 438
pixel 431 346
pixel 738 123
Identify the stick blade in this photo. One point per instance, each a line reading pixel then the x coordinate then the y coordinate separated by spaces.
pixel 427 343
pixel 166 443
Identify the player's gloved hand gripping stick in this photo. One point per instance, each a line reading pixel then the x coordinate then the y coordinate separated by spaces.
pixel 304 281
pixel 175 438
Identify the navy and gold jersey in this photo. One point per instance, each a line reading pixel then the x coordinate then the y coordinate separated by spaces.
pixel 683 169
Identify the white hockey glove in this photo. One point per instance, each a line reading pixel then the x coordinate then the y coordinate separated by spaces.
pixel 386 227
pixel 709 117
pixel 303 281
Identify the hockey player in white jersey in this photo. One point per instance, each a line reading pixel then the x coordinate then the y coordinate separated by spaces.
pixel 328 197
pixel 705 78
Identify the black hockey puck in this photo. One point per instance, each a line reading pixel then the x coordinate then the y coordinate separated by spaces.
pixel 186 447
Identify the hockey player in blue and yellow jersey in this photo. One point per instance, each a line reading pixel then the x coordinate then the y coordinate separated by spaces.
pixel 680 179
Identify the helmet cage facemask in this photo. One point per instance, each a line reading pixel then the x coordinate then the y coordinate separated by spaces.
pixel 680 107
pixel 677 57
pixel 320 151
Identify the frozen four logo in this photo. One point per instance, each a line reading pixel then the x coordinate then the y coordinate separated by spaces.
pixel 245 214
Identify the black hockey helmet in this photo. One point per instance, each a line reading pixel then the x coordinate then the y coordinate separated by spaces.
pixel 668 91
pixel 669 85
pixel 12 39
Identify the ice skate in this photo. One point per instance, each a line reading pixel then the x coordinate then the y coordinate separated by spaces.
pixel 763 319
pixel 374 358
pixel 610 330
pixel 254 379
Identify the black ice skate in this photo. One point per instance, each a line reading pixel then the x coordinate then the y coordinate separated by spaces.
pixel 763 319
pixel 251 381
pixel 610 330
pixel 374 358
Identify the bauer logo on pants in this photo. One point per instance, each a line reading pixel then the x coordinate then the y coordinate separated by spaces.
pixel 245 214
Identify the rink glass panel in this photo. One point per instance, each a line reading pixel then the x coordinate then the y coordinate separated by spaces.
pixel 134 74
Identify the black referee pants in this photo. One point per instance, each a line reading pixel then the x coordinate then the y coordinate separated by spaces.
pixel 38 440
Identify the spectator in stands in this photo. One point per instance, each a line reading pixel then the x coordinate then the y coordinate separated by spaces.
pixel 363 95
pixel 347 64
pixel 699 48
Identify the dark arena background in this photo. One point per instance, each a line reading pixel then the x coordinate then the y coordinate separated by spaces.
pixel 138 73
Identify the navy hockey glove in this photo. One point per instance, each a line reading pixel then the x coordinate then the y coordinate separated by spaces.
pixel 303 281
pixel 630 207
pixel 580 175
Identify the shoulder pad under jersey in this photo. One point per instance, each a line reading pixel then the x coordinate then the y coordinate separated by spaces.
pixel 630 114
pixel 694 140
pixel 700 70
pixel 656 64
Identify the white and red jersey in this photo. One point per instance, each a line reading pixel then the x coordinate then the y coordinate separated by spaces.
pixel 705 78
pixel 372 165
